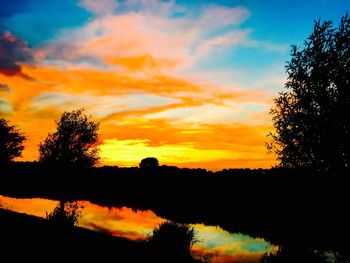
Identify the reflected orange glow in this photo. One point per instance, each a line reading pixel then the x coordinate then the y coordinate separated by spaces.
pixel 36 206
pixel 220 246
pixel 123 222
pixel 214 243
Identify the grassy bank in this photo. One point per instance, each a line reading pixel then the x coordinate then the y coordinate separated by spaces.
pixel 31 239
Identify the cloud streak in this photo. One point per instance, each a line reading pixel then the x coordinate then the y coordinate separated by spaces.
pixel 153 35
pixel 100 7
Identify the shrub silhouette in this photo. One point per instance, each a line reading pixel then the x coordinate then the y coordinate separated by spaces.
pixel 11 142
pixel 65 214
pixel 149 163
pixel 312 128
pixel 172 241
pixel 75 143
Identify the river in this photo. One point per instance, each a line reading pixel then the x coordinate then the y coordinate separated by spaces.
pixel 215 244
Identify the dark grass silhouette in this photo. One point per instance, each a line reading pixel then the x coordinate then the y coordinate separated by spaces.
pixel 171 242
pixel 41 240
pixel 292 255
pixel 30 239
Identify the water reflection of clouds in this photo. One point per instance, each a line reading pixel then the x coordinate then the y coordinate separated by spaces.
pixel 35 206
pixel 221 246
pixel 124 222
pixel 214 243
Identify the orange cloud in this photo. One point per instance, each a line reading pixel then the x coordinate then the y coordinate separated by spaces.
pixel 215 136
pixel 143 63
pixel 183 118
pixel 211 146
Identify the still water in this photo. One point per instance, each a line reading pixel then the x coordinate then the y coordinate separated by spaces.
pixel 215 244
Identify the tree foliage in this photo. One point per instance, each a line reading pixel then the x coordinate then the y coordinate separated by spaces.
pixel 149 163
pixel 75 143
pixel 312 126
pixel 11 142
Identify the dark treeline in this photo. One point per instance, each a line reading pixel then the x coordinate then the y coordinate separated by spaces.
pixel 289 207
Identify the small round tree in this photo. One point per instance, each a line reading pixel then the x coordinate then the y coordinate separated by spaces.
pixel 75 143
pixel 149 163
pixel 11 142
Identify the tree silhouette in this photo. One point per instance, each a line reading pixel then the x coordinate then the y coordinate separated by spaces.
pixel 75 143
pixel 11 142
pixel 149 163
pixel 312 126
pixel 66 213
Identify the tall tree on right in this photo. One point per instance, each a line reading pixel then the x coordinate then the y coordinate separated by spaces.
pixel 311 117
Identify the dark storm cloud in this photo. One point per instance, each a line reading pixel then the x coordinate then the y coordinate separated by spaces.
pixel 13 52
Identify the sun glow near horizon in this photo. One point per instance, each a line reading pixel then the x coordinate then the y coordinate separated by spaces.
pixel 182 155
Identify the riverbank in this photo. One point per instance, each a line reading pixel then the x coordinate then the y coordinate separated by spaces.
pixel 31 239
pixel 28 238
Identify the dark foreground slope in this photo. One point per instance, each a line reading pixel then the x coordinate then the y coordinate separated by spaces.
pixel 27 238
pixel 33 239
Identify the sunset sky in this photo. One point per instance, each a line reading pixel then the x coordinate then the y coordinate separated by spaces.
pixel 188 82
